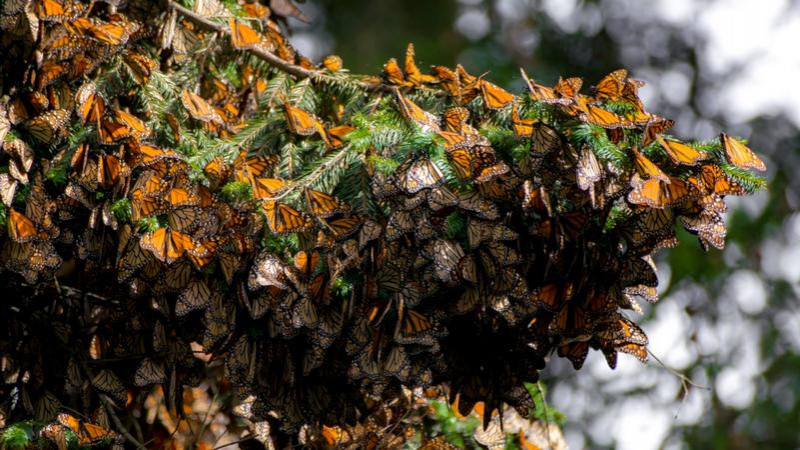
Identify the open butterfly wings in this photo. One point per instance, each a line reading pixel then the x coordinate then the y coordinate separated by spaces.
pixel 376 281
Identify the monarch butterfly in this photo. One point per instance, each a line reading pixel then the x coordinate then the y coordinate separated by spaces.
pixel 178 197
pixel 149 372
pixel 393 75
pixel 653 128
pixel 400 223
pixel 448 80
pixel 588 170
pixel 651 230
pixel 140 65
pixel 414 76
pixel 637 350
pixel 336 135
pixel 106 381
pixel 196 296
pixel 446 256
pixel 477 163
pixel 708 226
pixel 649 293
pixel 568 87
pixel 91 105
pixel 48 126
pixel 550 297
pixel 422 118
pixel 522 127
pixel 480 231
pixel 332 62
pixel 83 63
pixel 203 252
pixel 268 187
pixel 47 407
pixel 136 126
pixel 681 153
pixel 323 205
pixel 60 96
pixel 647 169
pixel 303 123
pixel 283 219
pixel 147 155
pixel 417 328
pixel 166 244
pixel 185 219
pixel 247 168
pixel 611 86
pixel 22 159
pixel 656 193
pixel 472 201
pixel 495 97
pixel 544 139
pixel 199 108
pixel 417 174
pixel 603 118
pixel 145 206
pixel 335 436
pixel 714 180
pixel 455 118
pixel 638 270
pixel 109 170
pixel 468 85
pixel 245 38
pixel 575 352
pixel 49 73
pixel 8 187
pixel 86 433
pixel 460 140
pixel 370 231
pixel 22 229
pixel 441 197
pixel 58 10
pixel 630 93
pixel 110 133
pixel 216 171
pixel 229 263
pixel 109 33
pixel 621 330
pixel 65 45
pixel 542 93
pixel 740 155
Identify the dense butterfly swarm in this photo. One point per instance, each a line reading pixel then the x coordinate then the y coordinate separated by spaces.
pixel 186 196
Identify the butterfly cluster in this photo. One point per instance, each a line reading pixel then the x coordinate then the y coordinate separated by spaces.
pixel 340 244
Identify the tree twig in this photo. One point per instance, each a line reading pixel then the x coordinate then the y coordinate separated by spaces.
pixel 269 57
pixel 119 424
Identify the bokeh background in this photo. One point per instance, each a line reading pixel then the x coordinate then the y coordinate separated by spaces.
pixel 727 329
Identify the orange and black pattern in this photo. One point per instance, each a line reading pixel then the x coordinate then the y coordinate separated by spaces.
pixel 484 233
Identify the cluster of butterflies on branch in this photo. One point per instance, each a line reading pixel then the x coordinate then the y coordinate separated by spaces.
pixel 519 227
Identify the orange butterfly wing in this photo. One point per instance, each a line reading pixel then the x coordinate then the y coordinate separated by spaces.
pixel 740 155
pixel 647 168
pixel 494 96
pixel 681 153
pixel 283 219
pixel 243 37
pixel 20 228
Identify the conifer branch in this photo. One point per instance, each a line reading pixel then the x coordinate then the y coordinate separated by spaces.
pixel 269 57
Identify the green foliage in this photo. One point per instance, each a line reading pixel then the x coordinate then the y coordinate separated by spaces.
pixel 457 432
pixel 18 436
pixel 122 210
pixel 596 138
pixel 542 411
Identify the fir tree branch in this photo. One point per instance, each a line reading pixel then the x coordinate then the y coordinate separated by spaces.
pixel 269 57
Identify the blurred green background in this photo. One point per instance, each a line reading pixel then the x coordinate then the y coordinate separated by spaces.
pixel 728 325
